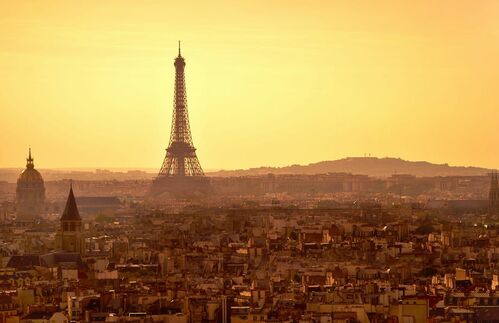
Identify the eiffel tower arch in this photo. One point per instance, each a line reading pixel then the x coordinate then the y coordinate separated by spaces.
pixel 181 172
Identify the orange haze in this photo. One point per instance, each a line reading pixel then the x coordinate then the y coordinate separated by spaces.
pixel 90 83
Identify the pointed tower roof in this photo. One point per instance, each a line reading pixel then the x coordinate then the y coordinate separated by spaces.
pixel 29 160
pixel 71 210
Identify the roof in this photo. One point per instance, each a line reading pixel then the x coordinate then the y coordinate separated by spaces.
pixel 30 176
pixel 37 316
pixel 71 210
pixel 62 258
pixel 24 261
pixel 49 259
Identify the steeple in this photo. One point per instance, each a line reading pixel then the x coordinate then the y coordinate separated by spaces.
pixel 179 49
pixel 70 237
pixel 29 160
pixel 71 210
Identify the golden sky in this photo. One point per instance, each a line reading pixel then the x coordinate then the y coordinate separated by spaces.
pixel 90 83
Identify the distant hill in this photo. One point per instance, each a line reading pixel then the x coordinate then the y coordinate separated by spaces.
pixel 372 166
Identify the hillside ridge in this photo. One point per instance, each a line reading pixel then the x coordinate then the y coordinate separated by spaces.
pixel 372 166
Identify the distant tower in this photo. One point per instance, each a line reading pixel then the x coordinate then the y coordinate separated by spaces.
pixel 69 237
pixel 181 171
pixel 30 192
pixel 494 195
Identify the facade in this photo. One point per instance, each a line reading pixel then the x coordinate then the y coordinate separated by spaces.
pixel 181 172
pixel 69 237
pixel 493 195
pixel 98 204
pixel 30 192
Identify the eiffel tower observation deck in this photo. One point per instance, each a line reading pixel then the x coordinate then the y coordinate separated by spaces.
pixel 181 172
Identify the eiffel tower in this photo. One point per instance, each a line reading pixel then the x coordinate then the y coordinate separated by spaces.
pixel 181 172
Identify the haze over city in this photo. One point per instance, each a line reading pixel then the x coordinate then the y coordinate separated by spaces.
pixel 249 161
pixel 89 83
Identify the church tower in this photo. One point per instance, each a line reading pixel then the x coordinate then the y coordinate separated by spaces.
pixel 494 195
pixel 69 237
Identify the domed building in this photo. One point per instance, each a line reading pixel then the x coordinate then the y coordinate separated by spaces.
pixel 30 192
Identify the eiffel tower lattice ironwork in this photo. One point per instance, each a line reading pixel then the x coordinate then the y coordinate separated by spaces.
pixel 181 159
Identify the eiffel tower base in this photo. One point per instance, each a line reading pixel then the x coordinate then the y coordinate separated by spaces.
pixel 180 186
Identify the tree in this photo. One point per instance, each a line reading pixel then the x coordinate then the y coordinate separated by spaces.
pixel 428 272
pixel 424 229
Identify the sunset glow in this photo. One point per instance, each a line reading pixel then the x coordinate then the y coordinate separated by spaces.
pixel 90 83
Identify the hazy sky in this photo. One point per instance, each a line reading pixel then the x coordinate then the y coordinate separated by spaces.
pixel 90 83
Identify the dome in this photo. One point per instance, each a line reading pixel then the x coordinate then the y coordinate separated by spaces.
pixel 30 192
pixel 30 177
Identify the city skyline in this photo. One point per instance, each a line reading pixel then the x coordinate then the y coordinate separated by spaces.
pixel 249 161
pixel 293 87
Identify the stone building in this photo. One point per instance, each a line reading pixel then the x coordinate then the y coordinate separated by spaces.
pixel 494 195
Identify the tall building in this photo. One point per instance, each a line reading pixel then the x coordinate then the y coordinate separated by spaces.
pixel 69 237
pixel 181 172
pixel 30 192
pixel 493 195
